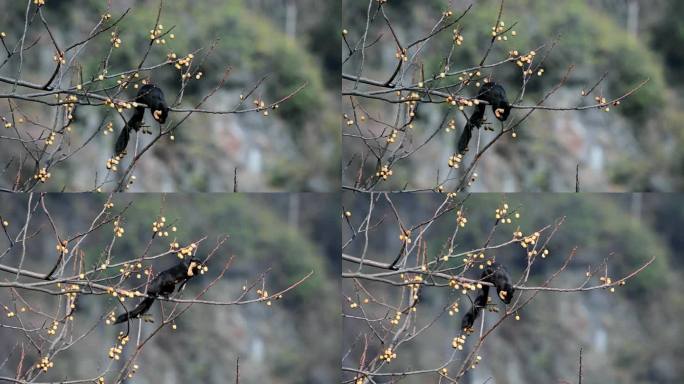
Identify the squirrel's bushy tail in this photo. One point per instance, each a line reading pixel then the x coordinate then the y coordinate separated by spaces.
pixel 474 121
pixel 133 123
pixel 479 303
pixel 143 307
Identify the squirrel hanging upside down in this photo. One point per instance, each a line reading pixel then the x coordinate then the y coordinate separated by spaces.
pixel 495 95
pixel 495 274
pixel 151 96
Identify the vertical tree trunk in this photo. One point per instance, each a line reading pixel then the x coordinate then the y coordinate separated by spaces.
pixel 291 18
pixel 293 207
pixel 633 17
pixel 637 203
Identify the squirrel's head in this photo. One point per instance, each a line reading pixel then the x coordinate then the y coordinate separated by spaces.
pixel 161 114
pixel 196 267
pixel 506 292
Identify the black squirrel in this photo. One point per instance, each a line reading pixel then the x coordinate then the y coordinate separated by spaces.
pixel 151 96
pixel 495 274
pixel 163 285
pixel 495 95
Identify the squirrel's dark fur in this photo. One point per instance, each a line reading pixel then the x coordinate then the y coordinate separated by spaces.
pixel 495 95
pixel 163 285
pixel 151 96
pixel 495 274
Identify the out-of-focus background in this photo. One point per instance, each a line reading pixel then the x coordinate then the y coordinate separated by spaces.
pixel 634 335
pixel 295 148
pixel 635 147
pixel 296 340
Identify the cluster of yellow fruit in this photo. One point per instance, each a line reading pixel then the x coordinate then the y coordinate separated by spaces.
pixel 388 355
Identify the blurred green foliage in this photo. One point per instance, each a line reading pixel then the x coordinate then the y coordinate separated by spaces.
pixel 668 38
pixel 237 38
pixel 591 41
pixel 257 236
